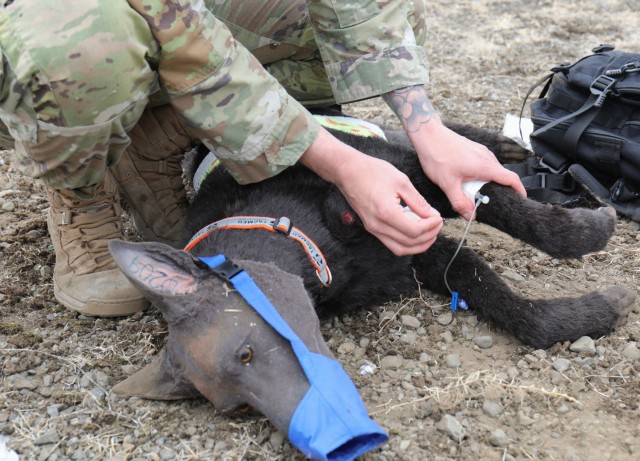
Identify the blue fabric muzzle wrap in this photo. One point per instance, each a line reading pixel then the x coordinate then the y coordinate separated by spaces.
pixel 331 422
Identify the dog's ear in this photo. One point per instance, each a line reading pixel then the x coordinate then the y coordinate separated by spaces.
pixel 156 381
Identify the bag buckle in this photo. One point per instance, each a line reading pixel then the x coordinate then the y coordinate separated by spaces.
pixel 601 87
pixel 555 170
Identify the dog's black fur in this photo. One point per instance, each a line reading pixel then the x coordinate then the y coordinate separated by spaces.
pixel 365 273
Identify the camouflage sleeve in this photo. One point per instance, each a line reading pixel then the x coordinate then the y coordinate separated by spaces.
pixel 368 47
pixel 255 128
pixel 6 141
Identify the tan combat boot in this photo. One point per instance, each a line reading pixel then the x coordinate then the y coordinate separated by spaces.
pixel 85 277
pixel 150 175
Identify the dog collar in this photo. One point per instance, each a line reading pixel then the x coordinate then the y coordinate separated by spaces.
pixel 280 225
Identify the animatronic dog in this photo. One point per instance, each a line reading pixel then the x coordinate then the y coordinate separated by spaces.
pixel 220 348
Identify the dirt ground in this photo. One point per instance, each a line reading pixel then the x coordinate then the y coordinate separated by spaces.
pixel 510 401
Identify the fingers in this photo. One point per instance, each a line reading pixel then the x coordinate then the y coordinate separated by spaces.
pixel 409 235
pixel 403 231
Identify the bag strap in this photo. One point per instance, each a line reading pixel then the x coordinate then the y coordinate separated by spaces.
pixel 543 184
pixel 600 89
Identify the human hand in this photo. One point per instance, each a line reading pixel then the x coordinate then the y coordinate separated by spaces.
pixel 447 158
pixel 375 190
pixel 450 160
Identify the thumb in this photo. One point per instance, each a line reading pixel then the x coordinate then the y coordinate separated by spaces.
pixel 461 203
pixel 418 204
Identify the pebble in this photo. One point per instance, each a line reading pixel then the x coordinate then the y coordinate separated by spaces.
pixel 55 409
pixel 277 439
pixel 391 362
pixel 8 206
pixel 631 352
pixel 584 345
pixel 34 234
pixel 524 419
pixel 410 321
pixel 20 382
pixel 513 276
pixel 386 316
pixel 409 337
pixel 483 341
pixel 47 438
pixel 445 319
pixel 540 353
pixel 346 347
pixel 452 361
pixel 128 369
pixel 492 409
pixel 498 438
pixel 447 337
pixel 561 364
pixel 452 427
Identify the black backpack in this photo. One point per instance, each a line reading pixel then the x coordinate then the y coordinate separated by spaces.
pixel 587 133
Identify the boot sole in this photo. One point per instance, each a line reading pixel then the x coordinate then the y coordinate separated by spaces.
pixel 99 307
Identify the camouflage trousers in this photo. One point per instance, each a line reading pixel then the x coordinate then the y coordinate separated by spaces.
pixel 89 132
pixel 280 34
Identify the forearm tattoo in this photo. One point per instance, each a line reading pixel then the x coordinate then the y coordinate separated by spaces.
pixel 412 106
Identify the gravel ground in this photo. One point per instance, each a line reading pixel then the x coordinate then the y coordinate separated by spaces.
pixel 445 386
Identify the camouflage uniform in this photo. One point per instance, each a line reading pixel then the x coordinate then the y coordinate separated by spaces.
pixel 75 76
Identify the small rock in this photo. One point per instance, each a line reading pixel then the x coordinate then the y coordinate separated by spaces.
pixel 128 369
pixel 98 393
pixel 472 321
pixel 386 316
pixel 524 419
pixel 409 337
pixel 447 337
pixel 276 440
pixel 34 234
pixel 563 409
pixel 86 380
pixel 498 438
pixel 450 426
pixel 346 348
pixel 20 382
pixel 404 445
pixel 540 353
pixel 410 321
pixel 445 319
pixel 391 362
pixel 561 364
pixel 492 409
pixel 452 361
pixel 483 341
pixel 55 409
pixel 584 345
pixel 513 276
pixel 631 352
pixel 8 206
pixel 47 438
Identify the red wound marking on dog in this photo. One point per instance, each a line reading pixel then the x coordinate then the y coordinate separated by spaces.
pixel 348 219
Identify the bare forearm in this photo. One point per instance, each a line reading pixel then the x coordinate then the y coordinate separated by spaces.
pixel 413 108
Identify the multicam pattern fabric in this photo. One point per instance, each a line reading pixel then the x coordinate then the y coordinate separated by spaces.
pixel 76 76
pixel 326 51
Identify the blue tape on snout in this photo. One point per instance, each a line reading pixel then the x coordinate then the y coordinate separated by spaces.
pixel 331 422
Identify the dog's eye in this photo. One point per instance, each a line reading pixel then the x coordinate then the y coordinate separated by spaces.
pixel 246 355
